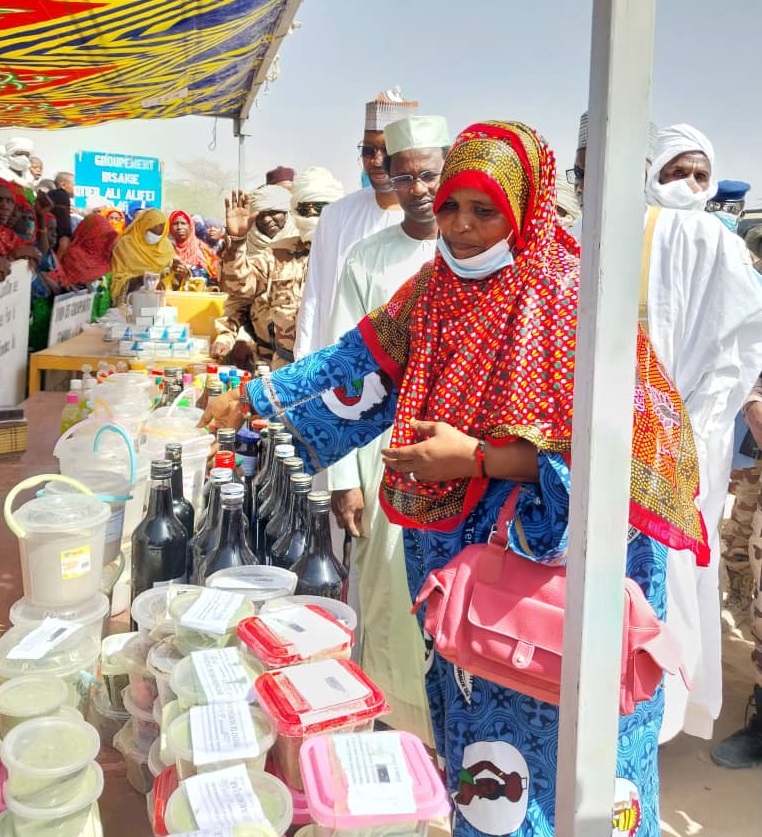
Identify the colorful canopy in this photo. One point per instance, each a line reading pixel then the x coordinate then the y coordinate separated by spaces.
pixel 68 63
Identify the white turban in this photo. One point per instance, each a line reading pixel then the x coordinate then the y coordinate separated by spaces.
pixel 276 198
pixel 19 145
pixel 566 198
pixel 671 143
pixel 316 184
pixel 269 197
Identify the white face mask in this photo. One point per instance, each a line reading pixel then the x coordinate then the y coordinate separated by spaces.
pixel 480 266
pixel 306 226
pixel 676 194
pixel 152 238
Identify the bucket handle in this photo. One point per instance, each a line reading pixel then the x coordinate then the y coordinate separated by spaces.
pixel 73 429
pixel 114 427
pixel 30 483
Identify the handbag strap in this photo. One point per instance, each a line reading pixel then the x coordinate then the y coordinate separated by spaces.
pixel 645 265
pixel 499 533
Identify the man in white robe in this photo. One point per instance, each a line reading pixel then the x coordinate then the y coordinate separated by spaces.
pixel 349 220
pixel 704 317
pixel 392 650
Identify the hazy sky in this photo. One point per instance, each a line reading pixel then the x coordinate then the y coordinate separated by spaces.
pixel 466 60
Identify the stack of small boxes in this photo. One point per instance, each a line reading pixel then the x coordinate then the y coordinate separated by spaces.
pixel 156 334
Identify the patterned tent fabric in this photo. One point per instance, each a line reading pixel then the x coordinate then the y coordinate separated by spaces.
pixel 68 63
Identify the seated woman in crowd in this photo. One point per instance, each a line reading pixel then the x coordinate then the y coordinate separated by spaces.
pixel 144 247
pixel 195 266
pixel 114 216
pixel 12 245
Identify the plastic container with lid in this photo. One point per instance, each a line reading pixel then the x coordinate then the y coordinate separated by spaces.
pixel 295 700
pixel 191 639
pixel 107 719
pixel 76 818
pixel 155 762
pixel 33 696
pixel 143 687
pixel 161 660
pixel 168 714
pixel 145 729
pixel 164 785
pixel 180 744
pixel 92 613
pixel 273 796
pixel 327 786
pixel 259 584
pixel 339 610
pixel 47 761
pixel 138 772
pixel 150 610
pixel 61 542
pixel 301 814
pixel 294 634
pixel 188 688
pixel 113 668
pixel 74 660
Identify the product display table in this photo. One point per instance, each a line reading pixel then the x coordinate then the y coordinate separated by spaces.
pixel 88 347
pixel 123 810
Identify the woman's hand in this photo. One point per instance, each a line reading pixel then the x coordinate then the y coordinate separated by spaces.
pixel 238 221
pixel 446 453
pixel 182 271
pixel 223 411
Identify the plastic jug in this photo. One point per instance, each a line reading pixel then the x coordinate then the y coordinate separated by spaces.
pixel 61 542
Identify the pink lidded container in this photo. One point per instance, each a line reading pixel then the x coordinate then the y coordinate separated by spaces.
pixel 363 784
pixel 294 634
pixel 314 698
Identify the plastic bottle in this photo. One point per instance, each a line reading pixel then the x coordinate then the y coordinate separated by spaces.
pixel 279 518
pixel 318 571
pixel 230 548
pixel 289 547
pixel 88 396
pixel 206 534
pixel 71 413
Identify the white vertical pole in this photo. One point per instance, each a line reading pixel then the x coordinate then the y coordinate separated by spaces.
pixel 620 75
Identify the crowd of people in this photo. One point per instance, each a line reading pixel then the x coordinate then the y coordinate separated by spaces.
pixel 421 335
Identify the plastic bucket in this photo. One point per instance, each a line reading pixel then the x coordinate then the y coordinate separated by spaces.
pixel 61 542
pixel 78 446
pixel 92 614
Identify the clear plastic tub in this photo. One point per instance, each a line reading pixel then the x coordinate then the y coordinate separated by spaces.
pixel 161 661
pixel 155 763
pixel 326 786
pixel 47 761
pixel 273 796
pixel 74 660
pixel 294 634
pixel 188 640
pixel 145 729
pixel 258 584
pixel 186 685
pixel 143 687
pixel 339 610
pixel 138 772
pixel 150 611
pixel 180 744
pixel 113 668
pixel 66 820
pixel 83 823
pixel 33 696
pixel 92 614
pixel 168 714
pixel 294 699
pixel 105 718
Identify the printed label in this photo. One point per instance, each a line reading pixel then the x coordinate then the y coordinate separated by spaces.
pixel 378 780
pixel 325 685
pixel 224 797
pixel 248 465
pixel 223 732
pixel 308 632
pixel 212 611
pixel 75 562
pixel 37 643
pixel 221 676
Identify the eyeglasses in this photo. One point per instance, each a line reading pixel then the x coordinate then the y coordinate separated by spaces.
pixel 405 182
pixel 732 207
pixel 575 176
pixel 371 150
pixel 311 208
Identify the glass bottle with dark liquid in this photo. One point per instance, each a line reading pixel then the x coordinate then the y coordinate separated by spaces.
pixel 230 549
pixel 267 499
pixel 279 518
pixel 206 536
pixel 184 512
pixel 318 571
pixel 290 545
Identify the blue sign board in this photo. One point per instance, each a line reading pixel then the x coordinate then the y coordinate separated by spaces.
pixel 118 179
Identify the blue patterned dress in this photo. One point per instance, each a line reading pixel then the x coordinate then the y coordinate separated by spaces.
pixel 499 747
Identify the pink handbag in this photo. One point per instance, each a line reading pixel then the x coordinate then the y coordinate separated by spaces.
pixel 501 617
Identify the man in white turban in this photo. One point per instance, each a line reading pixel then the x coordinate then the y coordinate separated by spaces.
pixel 270 208
pixel 568 209
pixel 313 190
pixel 17 153
pixel 701 303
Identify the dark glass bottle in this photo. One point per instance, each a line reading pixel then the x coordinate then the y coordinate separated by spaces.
pixel 246 447
pixel 206 536
pixel 275 496
pixel 266 453
pixel 318 571
pixel 279 518
pixel 230 548
pixel 266 486
pixel 168 382
pixel 159 542
pixel 184 511
pixel 222 459
pixel 289 547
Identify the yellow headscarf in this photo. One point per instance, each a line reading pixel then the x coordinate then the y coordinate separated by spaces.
pixel 133 255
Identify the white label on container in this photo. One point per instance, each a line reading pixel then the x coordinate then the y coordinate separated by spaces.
pixel 308 632
pixel 221 676
pixel 212 611
pixel 378 780
pixel 224 797
pixel 223 732
pixel 37 643
pixel 114 526
pixel 75 562
pixel 325 685
pixel 189 483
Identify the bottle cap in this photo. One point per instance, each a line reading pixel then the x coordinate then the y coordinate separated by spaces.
pixel 72 398
pixel 75 384
pixel 232 491
pixel 173 451
pixel 225 434
pixel 301 483
pixel 283 438
pixel 284 451
pixel 319 500
pixel 293 464
pixel 276 426
pixel 161 469
pixel 246 434
pixel 219 476
pixel 224 459
pixel 211 368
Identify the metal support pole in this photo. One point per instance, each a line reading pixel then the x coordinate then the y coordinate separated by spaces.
pixel 241 160
pixel 620 76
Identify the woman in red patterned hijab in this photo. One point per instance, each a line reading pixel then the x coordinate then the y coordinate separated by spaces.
pixel 193 255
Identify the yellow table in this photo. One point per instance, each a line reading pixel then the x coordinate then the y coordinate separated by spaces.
pixel 89 347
